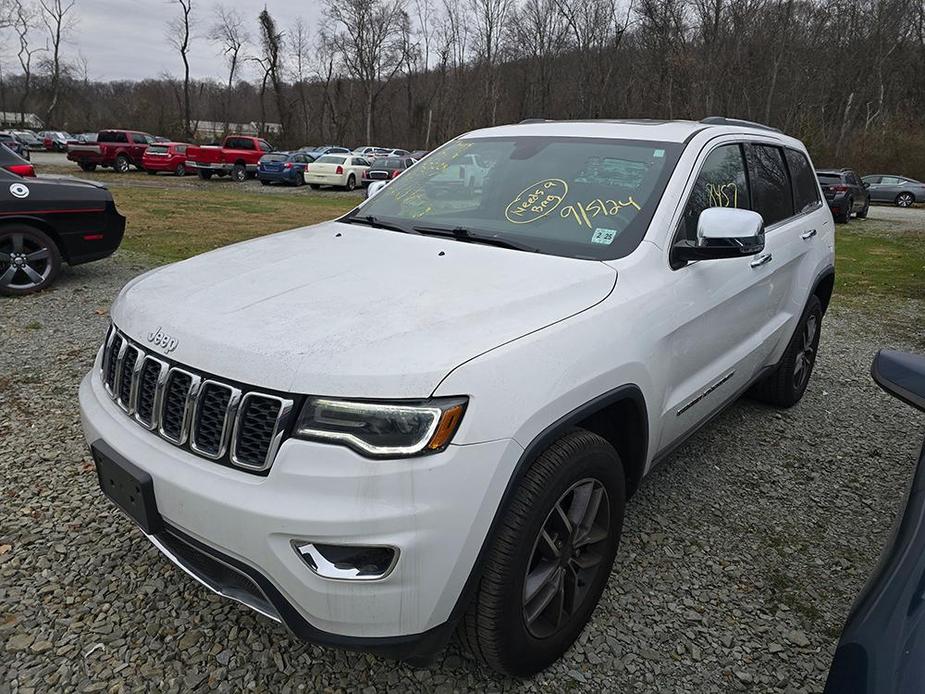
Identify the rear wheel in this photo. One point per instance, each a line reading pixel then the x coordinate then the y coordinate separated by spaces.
pixel 351 182
pixel 205 175
pixel 549 560
pixel 238 173
pixel 122 164
pixel 905 199
pixel 29 260
pixel 844 217
pixel 787 383
pixel 87 167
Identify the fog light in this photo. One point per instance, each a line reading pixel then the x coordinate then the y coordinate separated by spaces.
pixel 347 562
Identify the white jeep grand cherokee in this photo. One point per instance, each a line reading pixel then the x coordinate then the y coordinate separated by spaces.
pixel 430 413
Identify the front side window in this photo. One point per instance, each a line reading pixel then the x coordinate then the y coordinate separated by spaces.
pixel 579 197
pixel 891 181
pixel 805 189
pixel 722 182
pixel 773 199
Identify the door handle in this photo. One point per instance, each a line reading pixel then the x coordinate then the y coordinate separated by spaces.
pixel 808 235
pixel 762 260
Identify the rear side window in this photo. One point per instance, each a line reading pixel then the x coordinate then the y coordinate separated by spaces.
pixel 180 149
pixel 721 183
pixel 110 136
pixel 773 199
pixel 805 190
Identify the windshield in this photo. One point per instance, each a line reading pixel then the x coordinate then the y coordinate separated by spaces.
pixel 580 197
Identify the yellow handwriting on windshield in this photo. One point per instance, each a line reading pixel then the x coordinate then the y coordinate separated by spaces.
pixel 536 201
pixel 722 195
pixel 585 212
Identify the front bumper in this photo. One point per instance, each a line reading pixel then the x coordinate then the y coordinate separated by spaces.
pixel 435 509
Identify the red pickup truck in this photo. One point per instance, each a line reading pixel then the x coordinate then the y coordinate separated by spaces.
pixel 120 149
pixel 238 156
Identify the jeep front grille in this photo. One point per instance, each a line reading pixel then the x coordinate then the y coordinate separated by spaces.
pixel 211 418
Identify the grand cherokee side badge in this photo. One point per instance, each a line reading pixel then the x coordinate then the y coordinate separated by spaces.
pixel 163 340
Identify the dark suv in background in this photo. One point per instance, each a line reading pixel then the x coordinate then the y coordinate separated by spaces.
pixel 844 192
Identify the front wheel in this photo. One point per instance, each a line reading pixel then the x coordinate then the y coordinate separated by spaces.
pixel 29 260
pixel 122 164
pixel 905 199
pixel 180 170
pixel 785 386
pixel 549 560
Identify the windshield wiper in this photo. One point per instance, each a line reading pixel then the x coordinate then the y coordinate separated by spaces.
pixel 463 234
pixel 377 223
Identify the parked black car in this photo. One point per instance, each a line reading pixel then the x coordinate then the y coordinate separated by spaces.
pixel 45 222
pixel 10 141
pixel 845 193
pixel 882 647
pixel 899 190
pixel 386 168
pixel 14 163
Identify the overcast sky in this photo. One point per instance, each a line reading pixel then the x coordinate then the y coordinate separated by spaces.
pixel 125 39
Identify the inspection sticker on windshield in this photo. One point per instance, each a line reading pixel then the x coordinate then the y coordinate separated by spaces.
pixel 604 236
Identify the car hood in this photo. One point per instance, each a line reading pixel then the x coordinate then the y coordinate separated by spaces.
pixel 346 310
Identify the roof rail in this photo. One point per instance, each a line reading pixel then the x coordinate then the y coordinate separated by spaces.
pixel 528 121
pixel 720 120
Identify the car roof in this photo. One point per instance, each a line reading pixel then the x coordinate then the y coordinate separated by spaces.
pixel 632 129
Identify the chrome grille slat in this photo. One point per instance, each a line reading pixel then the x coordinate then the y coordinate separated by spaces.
pixel 188 410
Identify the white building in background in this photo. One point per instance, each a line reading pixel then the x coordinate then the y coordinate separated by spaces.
pixel 9 119
pixel 206 129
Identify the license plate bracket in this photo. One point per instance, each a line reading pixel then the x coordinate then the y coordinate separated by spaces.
pixel 127 486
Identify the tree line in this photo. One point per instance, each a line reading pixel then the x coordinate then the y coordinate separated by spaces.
pixel 845 76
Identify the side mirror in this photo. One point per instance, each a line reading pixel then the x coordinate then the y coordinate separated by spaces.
pixel 374 188
pixel 723 232
pixel 902 375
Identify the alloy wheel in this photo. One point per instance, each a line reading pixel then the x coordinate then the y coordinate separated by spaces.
pixel 567 555
pixel 807 355
pixel 904 200
pixel 24 262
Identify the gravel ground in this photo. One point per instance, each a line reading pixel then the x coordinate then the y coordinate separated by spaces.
pixel 740 558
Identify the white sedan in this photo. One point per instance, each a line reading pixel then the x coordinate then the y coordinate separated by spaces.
pixel 341 170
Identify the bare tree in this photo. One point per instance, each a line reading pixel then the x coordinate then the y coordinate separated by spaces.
pixel 300 45
pixel 229 33
pixel 491 17
pixel 179 35
pixel 368 35
pixel 272 43
pixel 23 24
pixel 58 24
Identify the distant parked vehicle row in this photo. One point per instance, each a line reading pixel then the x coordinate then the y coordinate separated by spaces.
pixel 54 140
pixel 7 139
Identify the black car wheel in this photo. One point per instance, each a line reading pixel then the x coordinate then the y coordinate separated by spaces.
pixel 905 199
pixel 351 182
pixel 862 214
pixel 785 386
pixel 180 170
pixel 87 167
pixel 122 164
pixel 239 173
pixel 29 260
pixel 205 175
pixel 549 560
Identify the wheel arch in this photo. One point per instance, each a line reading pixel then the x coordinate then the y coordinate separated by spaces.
pixel 40 224
pixel 823 287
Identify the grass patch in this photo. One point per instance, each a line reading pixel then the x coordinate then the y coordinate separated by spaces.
pixel 170 224
pixel 878 260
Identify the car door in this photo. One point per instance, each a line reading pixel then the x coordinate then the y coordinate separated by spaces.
pixel 873 186
pixel 138 143
pixel 717 330
pixel 889 188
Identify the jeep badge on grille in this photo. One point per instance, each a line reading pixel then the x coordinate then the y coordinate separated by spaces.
pixel 163 340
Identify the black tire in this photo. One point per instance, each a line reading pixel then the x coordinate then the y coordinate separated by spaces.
pixel 785 386
pixel 264 181
pixel 496 628
pixel 905 199
pixel 22 245
pixel 151 172
pixel 87 167
pixel 239 173
pixel 351 182
pixel 121 164
pixel 845 216
pixel 180 171
pixel 205 175
pixel 314 186
pixel 864 210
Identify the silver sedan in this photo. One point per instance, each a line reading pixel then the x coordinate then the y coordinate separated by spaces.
pixel 899 190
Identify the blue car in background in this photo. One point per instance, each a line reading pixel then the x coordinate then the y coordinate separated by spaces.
pixel 283 167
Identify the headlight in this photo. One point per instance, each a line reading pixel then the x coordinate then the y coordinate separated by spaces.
pixel 382 430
